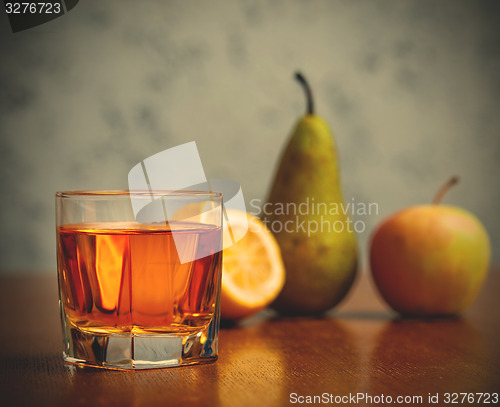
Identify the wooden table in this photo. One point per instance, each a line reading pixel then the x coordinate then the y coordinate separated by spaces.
pixel 360 348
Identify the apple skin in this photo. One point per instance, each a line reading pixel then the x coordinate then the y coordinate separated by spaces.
pixel 430 260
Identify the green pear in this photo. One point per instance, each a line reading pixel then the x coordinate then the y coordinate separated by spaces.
pixel 305 212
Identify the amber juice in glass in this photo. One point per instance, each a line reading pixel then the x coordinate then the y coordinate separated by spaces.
pixel 139 292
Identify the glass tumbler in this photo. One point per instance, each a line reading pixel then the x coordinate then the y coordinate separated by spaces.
pixel 139 277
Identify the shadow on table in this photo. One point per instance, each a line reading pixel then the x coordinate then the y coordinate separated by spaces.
pixel 432 355
pixel 269 315
pixel 285 356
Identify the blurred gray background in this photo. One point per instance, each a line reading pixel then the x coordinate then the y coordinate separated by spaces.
pixel 411 89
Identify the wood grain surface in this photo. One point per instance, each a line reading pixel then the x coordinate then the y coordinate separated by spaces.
pixel 360 347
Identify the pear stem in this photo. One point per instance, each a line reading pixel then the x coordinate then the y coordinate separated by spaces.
pixel 444 189
pixel 307 89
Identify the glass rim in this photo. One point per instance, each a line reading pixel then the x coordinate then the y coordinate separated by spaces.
pixel 146 192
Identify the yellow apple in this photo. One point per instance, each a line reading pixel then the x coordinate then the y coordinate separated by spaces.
pixel 430 260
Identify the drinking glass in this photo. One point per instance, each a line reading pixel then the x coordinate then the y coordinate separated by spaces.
pixel 139 277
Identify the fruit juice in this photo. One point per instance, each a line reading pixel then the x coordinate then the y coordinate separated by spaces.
pixel 126 277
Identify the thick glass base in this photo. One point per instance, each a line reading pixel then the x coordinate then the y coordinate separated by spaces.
pixel 119 351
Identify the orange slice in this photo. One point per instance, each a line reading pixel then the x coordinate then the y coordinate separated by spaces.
pixel 252 269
